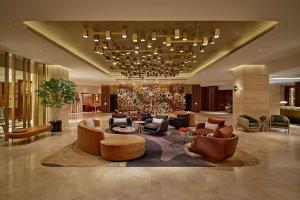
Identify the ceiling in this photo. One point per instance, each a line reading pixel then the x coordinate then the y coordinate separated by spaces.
pixel 234 34
pixel 278 49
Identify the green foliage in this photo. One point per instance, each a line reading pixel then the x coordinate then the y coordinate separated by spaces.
pixel 55 93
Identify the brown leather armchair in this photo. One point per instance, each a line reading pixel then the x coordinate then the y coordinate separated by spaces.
pixel 88 139
pixel 214 149
pixel 192 116
pixel 200 130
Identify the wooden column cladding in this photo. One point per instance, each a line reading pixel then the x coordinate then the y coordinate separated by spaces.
pixel 196 98
pixel 212 98
pixel 6 94
pixel 105 98
pixel 297 94
pixel 13 92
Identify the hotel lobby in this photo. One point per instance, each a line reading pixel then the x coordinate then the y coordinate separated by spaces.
pixel 150 99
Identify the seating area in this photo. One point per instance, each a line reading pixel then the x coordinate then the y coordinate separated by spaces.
pixel 150 100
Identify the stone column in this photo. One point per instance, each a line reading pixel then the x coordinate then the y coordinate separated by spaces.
pixel 252 91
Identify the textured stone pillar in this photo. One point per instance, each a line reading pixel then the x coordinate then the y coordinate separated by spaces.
pixel 252 96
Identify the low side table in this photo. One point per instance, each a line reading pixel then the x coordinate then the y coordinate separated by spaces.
pixel 126 130
pixel 139 123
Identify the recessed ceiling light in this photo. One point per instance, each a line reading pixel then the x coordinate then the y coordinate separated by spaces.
pixel 260 50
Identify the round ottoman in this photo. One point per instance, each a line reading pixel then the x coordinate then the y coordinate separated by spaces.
pixel 122 147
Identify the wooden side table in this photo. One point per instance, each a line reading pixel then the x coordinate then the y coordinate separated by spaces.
pixel 139 123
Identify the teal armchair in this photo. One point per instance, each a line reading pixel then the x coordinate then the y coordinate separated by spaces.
pixel 280 121
pixel 247 122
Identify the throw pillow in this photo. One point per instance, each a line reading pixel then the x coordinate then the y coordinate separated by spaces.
pixel 210 126
pixel 157 121
pixel 225 132
pixel 90 123
pixel 120 120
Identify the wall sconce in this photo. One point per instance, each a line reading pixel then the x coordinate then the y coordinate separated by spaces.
pixel 196 103
pixel 235 88
pixel 105 104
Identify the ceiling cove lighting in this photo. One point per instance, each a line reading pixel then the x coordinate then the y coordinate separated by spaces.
pixel 124 32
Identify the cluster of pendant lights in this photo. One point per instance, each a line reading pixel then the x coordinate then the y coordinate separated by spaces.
pixel 155 55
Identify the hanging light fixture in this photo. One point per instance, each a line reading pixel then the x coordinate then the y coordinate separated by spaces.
pixel 105 45
pixel 201 49
pixel 195 42
pixel 155 52
pixel 143 38
pixel 212 41
pixel 85 33
pixel 149 45
pixel 107 35
pixel 217 33
pixel 124 32
pixel 153 35
pixel 135 37
pixel 184 36
pixel 168 41
pixel 176 33
pixel 205 41
pixel 96 37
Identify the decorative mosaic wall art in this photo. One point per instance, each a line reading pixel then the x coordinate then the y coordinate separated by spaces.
pixel 152 98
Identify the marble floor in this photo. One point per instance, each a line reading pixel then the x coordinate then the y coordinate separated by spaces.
pixel 276 177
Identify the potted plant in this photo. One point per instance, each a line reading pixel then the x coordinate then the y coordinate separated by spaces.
pixel 55 93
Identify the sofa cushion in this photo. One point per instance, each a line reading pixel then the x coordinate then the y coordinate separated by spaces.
pixel 203 131
pixel 90 123
pixel 220 122
pixel 120 120
pixel 157 120
pixel 225 132
pixel 152 126
pixel 119 124
pixel 211 126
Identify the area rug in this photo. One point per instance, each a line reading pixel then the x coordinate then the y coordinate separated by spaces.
pixel 160 152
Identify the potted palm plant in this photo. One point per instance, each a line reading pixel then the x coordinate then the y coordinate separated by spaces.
pixel 55 93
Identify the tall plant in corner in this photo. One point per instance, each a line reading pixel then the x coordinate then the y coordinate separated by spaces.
pixel 55 93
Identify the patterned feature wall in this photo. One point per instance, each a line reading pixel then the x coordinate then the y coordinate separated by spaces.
pixel 152 98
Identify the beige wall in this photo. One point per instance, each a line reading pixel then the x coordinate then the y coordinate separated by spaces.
pixel 252 98
pixel 88 89
pixel 57 71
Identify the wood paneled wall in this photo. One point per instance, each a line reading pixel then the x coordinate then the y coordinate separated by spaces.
pixel 196 98
pixel 297 94
pixel 105 98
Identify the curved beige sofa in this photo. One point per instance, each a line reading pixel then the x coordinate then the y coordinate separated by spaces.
pixel 88 139
pixel 113 147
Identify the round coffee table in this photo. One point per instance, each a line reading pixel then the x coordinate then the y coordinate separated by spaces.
pixel 126 130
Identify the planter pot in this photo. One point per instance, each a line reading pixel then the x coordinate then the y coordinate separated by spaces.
pixel 55 125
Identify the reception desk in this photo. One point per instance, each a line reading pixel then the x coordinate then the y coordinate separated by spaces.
pixel 293 113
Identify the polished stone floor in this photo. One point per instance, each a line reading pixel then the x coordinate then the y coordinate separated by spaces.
pixel 276 177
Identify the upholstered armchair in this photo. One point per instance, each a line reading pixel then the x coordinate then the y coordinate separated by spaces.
pixel 247 122
pixel 192 116
pixel 214 149
pixel 144 116
pixel 179 121
pixel 280 121
pixel 133 114
pixel 201 130
pixel 156 128
pixel 113 123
